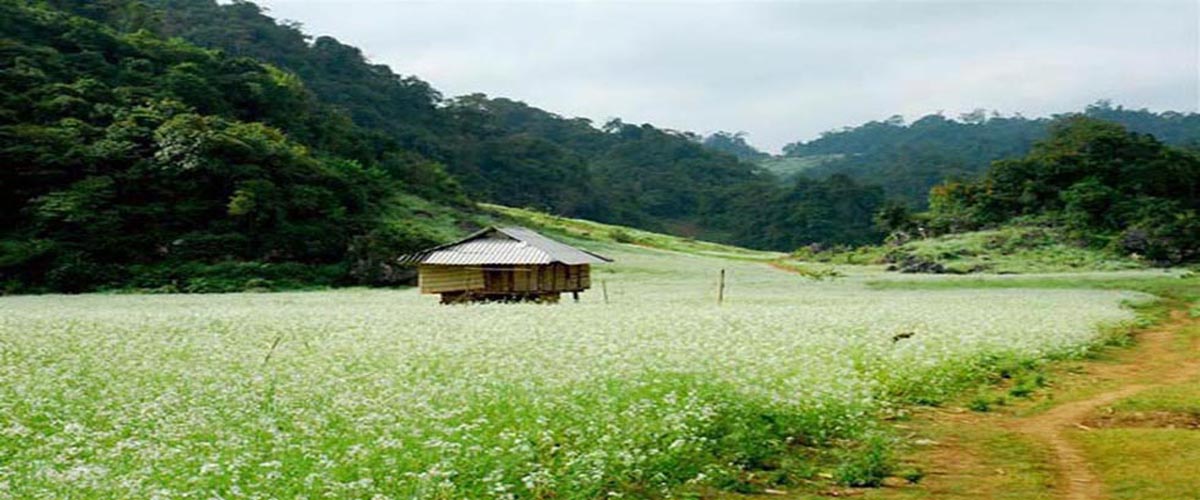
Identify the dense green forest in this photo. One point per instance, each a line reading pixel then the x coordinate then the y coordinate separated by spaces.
pixel 735 144
pixel 184 144
pixel 1109 187
pixel 130 158
pixel 910 158
pixel 508 152
pixel 189 145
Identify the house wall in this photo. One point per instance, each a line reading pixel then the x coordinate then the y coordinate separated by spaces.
pixel 504 278
pixel 544 278
pixel 438 279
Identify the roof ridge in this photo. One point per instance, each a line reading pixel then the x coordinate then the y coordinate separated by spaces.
pixel 547 249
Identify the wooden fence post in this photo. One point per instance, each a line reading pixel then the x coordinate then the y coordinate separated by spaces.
pixel 721 289
pixel 604 288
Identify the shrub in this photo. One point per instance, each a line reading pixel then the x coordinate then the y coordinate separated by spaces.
pixel 1021 390
pixel 913 476
pixel 225 277
pixel 621 236
pixel 868 466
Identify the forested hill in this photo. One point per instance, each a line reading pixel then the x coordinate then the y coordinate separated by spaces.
pixel 910 158
pixel 735 144
pixel 134 159
pixel 186 145
pixel 1105 186
pixel 511 153
pixel 182 144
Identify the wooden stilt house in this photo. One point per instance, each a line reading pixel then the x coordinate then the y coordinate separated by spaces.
pixel 504 264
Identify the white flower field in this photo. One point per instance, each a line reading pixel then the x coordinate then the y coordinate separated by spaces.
pixel 386 394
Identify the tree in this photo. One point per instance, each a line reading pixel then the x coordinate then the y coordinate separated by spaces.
pixel 1116 188
pixel 733 143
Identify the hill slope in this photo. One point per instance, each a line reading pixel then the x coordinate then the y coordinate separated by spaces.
pixel 910 158
pixel 504 151
pixel 135 159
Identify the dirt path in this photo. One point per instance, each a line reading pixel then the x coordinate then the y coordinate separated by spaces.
pixel 1153 360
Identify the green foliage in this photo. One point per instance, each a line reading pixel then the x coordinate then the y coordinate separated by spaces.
pixel 733 143
pixel 507 152
pixel 866 467
pixel 910 158
pixel 913 476
pixel 896 218
pixel 146 131
pixel 808 271
pixel 621 236
pixel 1010 250
pixel 128 151
pixel 981 403
pixel 585 230
pixel 1105 185
pixel 787 168
pixel 831 211
pixel 1013 249
pixel 225 277
pixel 1021 391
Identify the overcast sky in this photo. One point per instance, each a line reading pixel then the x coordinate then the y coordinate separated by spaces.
pixel 780 71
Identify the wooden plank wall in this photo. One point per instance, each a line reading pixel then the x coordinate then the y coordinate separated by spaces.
pixel 585 276
pixel 548 278
pixel 504 279
pixel 438 279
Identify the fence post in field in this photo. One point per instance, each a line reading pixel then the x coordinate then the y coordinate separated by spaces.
pixel 721 289
pixel 604 288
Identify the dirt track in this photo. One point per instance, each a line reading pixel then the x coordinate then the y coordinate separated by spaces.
pixel 1076 480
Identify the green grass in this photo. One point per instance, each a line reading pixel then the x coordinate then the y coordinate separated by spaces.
pixel 988 462
pixel 1016 249
pixel 1140 464
pixel 436 221
pixel 1164 283
pixel 1142 455
pixel 584 230
pixel 1009 250
pixel 1184 398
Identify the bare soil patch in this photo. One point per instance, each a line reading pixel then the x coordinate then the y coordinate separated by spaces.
pixel 1144 419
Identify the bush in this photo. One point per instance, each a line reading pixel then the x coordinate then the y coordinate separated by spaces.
pixel 868 466
pixel 373 256
pixel 913 476
pixel 621 236
pixel 1021 390
pixel 76 273
pixel 226 277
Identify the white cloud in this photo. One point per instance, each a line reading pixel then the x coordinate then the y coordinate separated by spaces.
pixel 780 71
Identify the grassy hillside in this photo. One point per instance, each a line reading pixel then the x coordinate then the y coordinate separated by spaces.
pixel 1009 250
pixel 579 229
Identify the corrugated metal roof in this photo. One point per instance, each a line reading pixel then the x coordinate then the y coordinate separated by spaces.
pixel 505 245
pixel 558 252
pixel 488 251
